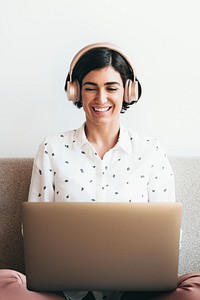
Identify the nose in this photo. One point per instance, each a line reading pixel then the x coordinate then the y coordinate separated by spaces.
pixel 101 96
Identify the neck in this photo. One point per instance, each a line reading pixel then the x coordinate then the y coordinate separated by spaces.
pixel 103 138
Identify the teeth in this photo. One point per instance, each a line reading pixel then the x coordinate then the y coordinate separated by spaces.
pixel 101 109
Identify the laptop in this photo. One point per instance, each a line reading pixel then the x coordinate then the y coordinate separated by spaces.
pixel 101 246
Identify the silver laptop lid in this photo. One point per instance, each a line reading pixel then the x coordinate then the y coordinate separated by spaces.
pixel 101 246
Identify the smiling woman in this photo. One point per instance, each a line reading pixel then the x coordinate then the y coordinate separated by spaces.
pixel 101 162
pixel 103 82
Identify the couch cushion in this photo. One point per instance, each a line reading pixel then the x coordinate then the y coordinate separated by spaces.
pixel 15 177
pixel 187 183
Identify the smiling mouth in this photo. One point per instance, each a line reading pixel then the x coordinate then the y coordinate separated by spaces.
pixel 101 109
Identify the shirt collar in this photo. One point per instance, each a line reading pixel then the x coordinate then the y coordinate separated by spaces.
pixel 124 141
pixel 80 138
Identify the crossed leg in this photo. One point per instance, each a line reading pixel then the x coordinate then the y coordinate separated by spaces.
pixel 188 288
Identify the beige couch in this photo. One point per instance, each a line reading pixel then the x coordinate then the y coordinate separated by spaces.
pixel 15 176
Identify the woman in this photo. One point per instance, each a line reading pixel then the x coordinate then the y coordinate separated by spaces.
pixel 101 160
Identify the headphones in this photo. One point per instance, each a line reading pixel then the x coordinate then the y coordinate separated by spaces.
pixel 131 91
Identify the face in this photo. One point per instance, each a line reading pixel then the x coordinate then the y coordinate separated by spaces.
pixel 102 96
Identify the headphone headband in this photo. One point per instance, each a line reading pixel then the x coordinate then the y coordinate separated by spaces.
pixel 85 49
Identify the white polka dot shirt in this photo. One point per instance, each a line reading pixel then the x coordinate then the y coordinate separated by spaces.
pixel 67 168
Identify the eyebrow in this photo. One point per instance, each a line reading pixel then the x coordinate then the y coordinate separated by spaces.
pixel 107 83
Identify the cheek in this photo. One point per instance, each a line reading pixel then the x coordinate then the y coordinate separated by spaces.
pixel 85 104
pixel 84 99
pixel 119 98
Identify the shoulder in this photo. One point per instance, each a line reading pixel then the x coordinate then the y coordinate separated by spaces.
pixel 146 146
pixel 57 138
pixel 66 137
pixel 142 139
pixel 56 143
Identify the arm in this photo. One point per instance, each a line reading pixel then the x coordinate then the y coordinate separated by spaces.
pixel 161 180
pixel 42 180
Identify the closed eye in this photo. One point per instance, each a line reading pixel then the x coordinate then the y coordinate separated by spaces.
pixel 90 89
pixel 112 89
pixel 112 86
pixel 89 86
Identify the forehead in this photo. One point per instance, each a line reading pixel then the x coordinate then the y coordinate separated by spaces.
pixel 106 74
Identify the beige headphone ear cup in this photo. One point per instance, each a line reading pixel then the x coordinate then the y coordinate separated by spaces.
pixel 73 91
pixel 131 91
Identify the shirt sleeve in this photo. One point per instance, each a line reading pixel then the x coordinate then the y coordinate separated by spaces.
pixel 161 180
pixel 42 180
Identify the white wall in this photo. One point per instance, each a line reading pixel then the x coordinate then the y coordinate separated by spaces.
pixel 38 39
